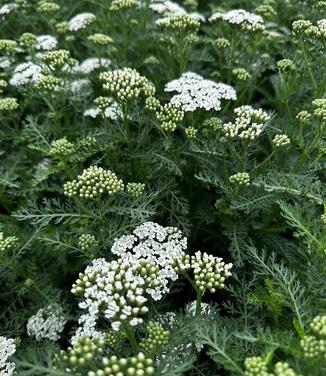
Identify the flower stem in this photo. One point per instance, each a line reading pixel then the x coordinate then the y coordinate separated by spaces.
pixel 130 334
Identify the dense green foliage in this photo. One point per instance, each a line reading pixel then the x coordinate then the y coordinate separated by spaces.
pixel 92 149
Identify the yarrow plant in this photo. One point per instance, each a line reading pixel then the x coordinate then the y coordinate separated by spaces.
pixel 162 188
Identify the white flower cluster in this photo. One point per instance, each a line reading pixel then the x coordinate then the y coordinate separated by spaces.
pixel 4 62
pixel 156 244
pixel 117 289
pixel 90 65
pixel 197 92
pixel 121 288
pixel 248 124
pixel 46 42
pixel 126 84
pixel 79 86
pixel 26 73
pixel 248 21
pixel 48 323
pixel 281 140
pixel 7 349
pixel 7 8
pixel 93 182
pixel 81 21
pixel 87 328
pixel 167 6
pixel 112 111
pixel 241 178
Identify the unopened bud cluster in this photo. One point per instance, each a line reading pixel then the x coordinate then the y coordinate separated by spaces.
pixel 304 117
pixel 256 366
pixel 84 352
pixel 319 106
pixel 99 38
pixel 241 74
pixel 209 272
pixel 138 365
pixel 179 22
pixel 286 65
pixel 305 28
pixel 222 43
pixel 191 132
pixel 126 84
pixel 283 369
pixel 7 243
pixel 123 4
pixel 48 7
pixel 156 339
pixel 240 178
pixel 57 58
pixel 152 104
pixel 135 189
pixel 7 45
pixel 87 241
pixel 8 104
pixel 248 124
pixel 281 140
pixel 168 117
pixel 48 84
pixel 62 147
pixel 93 182
pixel 314 345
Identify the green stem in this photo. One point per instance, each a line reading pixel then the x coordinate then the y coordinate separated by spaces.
pixel 198 302
pixel 130 334
pixel 308 65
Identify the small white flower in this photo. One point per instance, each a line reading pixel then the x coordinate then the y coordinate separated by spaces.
pixel 46 43
pixel 7 349
pixel 91 64
pixel 81 21
pixel 26 73
pixel 196 92
pixel 47 323
pixel 249 21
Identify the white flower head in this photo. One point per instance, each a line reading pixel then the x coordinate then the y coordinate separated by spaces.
pixel 81 21
pixel 8 8
pixel 7 349
pixel 197 92
pixel 91 64
pixel 46 42
pixel 47 323
pixel 77 86
pixel 26 73
pixel 249 21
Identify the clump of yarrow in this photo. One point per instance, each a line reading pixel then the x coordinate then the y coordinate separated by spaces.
pixel 47 323
pixel 196 92
pixel 7 349
pixel 149 259
pixel 246 20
